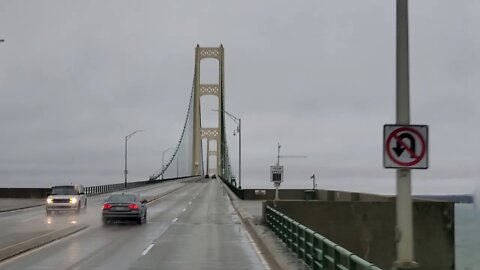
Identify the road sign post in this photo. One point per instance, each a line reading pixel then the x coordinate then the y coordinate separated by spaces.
pixel 404 230
pixel 276 176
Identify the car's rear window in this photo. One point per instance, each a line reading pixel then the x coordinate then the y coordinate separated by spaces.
pixel 121 198
pixel 64 190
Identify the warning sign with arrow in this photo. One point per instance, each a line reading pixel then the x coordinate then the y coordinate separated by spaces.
pixel 405 146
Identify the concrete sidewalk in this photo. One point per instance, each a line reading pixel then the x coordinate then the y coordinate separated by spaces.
pixel 277 254
pixel 12 204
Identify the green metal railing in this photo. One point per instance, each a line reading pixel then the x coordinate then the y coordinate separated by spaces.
pixel 315 250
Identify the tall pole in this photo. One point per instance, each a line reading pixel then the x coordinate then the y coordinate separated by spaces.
pixel 239 153
pixel 237 121
pixel 208 157
pixel 404 230
pixel 126 140
pixel 163 166
pixel 125 171
pixel 277 184
pixel 278 154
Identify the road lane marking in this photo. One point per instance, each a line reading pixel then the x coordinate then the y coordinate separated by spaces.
pixel 184 209
pixel 175 220
pixel 257 250
pixel 147 250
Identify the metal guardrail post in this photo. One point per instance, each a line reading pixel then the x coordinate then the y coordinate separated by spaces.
pixel 336 257
pixel 316 250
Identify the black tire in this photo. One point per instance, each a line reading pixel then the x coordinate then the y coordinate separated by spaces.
pixel 84 210
pixel 142 219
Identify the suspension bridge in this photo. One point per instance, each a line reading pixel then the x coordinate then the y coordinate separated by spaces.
pixel 195 222
pixel 189 154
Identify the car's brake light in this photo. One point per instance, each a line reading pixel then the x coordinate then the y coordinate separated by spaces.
pixel 133 206
pixel 107 206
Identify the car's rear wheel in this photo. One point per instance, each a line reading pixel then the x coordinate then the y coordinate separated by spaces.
pixel 85 207
pixel 143 219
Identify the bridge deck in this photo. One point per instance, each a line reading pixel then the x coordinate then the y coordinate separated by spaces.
pixel 192 225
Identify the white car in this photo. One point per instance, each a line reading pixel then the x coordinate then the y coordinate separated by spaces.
pixel 66 198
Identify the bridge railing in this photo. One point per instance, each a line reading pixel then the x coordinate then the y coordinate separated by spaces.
pixel 233 188
pixel 100 189
pixel 316 250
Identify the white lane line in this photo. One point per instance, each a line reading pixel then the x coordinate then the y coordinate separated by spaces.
pixel 184 209
pixel 189 203
pixel 175 220
pixel 147 250
pixel 257 250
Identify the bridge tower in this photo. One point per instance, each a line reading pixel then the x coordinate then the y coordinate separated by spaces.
pixel 209 133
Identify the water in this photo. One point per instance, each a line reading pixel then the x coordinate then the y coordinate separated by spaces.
pixel 467 237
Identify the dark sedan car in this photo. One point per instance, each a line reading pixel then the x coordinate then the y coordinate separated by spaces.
pixel 125 206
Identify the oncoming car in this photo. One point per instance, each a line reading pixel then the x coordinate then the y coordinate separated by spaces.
pixel 69 198
pixel 125 206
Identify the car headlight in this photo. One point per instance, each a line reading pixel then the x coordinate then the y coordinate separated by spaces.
pixel 49 200
pixel 73 200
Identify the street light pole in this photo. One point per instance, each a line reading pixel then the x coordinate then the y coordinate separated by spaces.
pixel 237 121
pixel 163 160
pixel 239 153
pixel 125 171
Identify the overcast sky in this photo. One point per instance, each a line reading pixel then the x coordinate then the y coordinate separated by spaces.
pixel 317 76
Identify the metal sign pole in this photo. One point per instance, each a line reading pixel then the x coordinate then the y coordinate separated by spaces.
pixel 277 184
pixel 404 230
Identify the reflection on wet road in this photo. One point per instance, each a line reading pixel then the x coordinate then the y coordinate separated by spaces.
pixel 194 227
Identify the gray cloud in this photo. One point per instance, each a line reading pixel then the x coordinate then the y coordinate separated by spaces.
pixel 316 76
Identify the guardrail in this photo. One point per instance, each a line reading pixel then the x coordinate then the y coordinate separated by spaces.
pixel 93 190
pixel 317 251
pixel 234 189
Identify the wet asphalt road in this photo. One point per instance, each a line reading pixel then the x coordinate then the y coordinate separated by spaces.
pixel 194 227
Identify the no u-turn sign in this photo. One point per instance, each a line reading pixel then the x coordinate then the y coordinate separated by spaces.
pixel 405 146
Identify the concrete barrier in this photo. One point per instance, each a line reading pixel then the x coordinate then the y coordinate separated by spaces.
pixel 24 192
pixel 38 241
pixel 368 228
pixel 305 194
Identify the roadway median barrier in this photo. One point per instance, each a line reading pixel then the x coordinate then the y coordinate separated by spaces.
pixel 15 249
